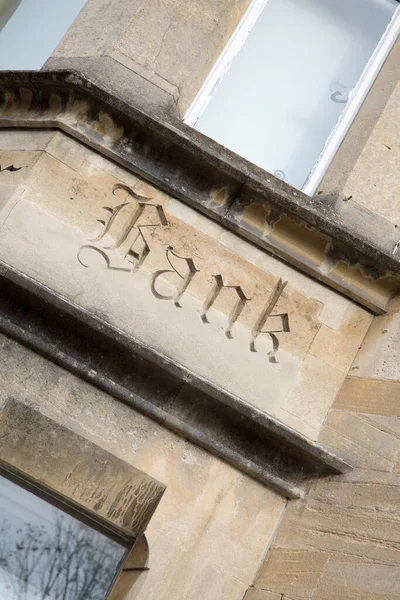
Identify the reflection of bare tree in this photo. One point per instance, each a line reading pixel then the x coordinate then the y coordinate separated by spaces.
pixel 67 562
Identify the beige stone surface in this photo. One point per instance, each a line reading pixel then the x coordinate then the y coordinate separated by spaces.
pixel 180 42
pixel 387 424
pixel 310 429
pixel 343 540
pixel 378 357
pixel 360 441
pixel 351 279
pixel 314 391
pixel 333 306
pixel 292 572
pixel 213 524
pixel 256 594
pixel 340 348
pixel 9 194
pixel 372 497
pixel 171 44
pixel 286 232
pixel 371 396
pixel 358 580
pixel 125 303
pixel 61 148
pixel 55 230
pixel 367 534
pixel 29 140
pixel 20 163
pixel 375 179
pixel 369 476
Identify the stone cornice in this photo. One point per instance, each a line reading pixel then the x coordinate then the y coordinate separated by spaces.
pixel 160 388
pixel 340 243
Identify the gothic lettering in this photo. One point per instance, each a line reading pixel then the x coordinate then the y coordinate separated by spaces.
pixel 183 279
pixel 219 285
pixel 89 249
pixel 10 168
pixel 262 319
pixel 125 229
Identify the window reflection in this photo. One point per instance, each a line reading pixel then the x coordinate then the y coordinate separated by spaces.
pixel 289 84
pixel 45 554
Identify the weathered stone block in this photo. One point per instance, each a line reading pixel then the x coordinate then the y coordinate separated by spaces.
pixel 378 357
pixel 54 458
pixel 377 498
pixel 371 396
pixel 366 533
pixel 363 444
pixel 352 578
pixel 339 349
pixel 292 572
pixel 163 36
pixel 368 183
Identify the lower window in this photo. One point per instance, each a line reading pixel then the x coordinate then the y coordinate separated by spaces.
pixel 47 554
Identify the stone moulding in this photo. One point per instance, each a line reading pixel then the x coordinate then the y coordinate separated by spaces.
pixel 161 389
pixel 339 243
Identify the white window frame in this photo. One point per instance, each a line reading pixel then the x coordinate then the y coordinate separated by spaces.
pixel 356 97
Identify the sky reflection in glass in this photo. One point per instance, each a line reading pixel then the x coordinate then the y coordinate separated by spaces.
pixel 45 554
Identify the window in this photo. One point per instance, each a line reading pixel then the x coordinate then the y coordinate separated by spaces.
pixel 31 29
pixel 47 554
pixel 292 78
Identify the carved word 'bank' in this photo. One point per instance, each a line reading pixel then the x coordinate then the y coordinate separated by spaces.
pixel 124 230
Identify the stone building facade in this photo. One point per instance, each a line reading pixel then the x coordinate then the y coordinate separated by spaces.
pixel 194 355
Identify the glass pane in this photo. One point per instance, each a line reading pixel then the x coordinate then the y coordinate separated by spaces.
pixel 290 82
pixel 34 30
pixel 45 554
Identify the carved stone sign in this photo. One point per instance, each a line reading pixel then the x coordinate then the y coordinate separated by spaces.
pixel 125 231
pixel 174 281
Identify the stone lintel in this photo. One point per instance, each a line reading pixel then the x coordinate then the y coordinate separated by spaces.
pixel 160 388
pixel 338 242
pixel 54 460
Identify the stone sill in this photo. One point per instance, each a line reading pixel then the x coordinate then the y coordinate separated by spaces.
pixel 163 390
pixel 339 243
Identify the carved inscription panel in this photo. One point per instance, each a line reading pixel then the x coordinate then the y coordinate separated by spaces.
pixel 127 227
pixel 177 282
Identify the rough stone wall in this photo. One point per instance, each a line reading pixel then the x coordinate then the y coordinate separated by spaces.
pixel 342 541
pixel 213 524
